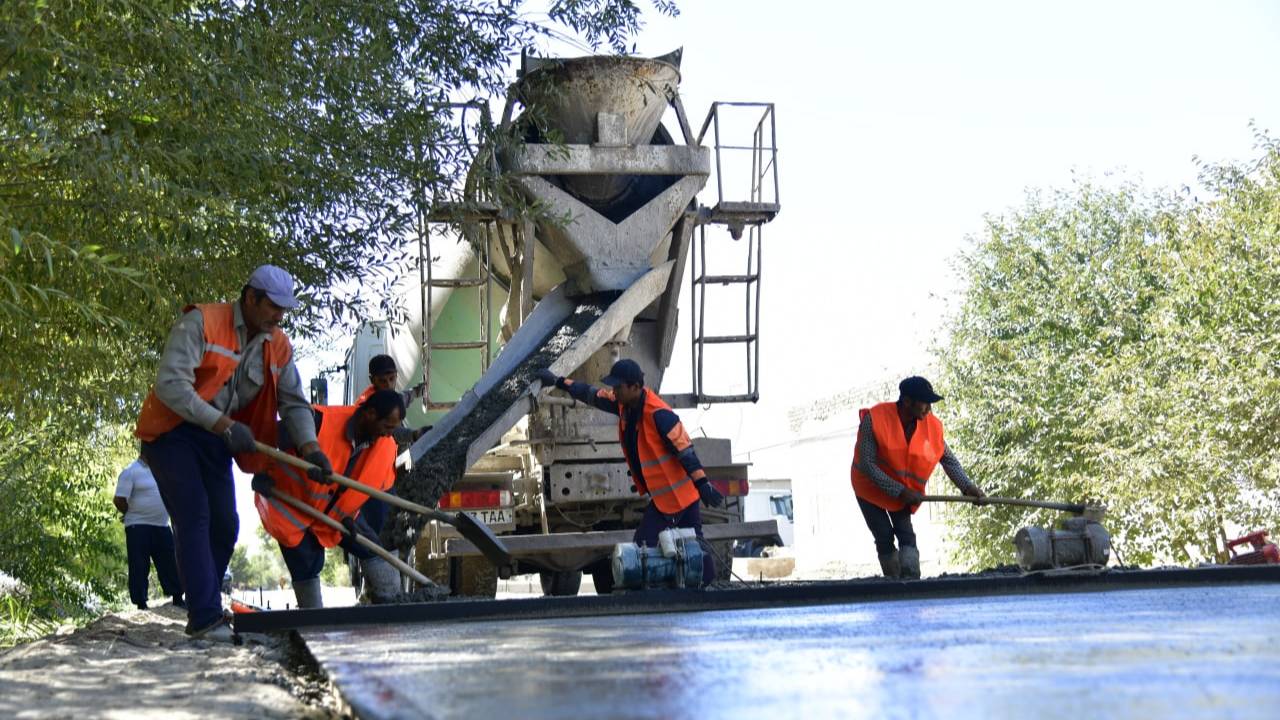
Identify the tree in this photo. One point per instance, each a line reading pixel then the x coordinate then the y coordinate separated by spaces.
pixel 1122 347
pixel 153 152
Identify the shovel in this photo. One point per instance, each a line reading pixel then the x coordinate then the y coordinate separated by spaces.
pixel 473 530
pixel 314 514
pixel 1092 512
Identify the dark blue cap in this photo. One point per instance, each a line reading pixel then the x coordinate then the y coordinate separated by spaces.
pixel 624 371
pixel 918 389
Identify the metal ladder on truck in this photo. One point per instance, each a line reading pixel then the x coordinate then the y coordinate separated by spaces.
pixel 483 216
pixel 437 217
pixel 739 217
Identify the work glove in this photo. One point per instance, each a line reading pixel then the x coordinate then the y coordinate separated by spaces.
pixel 322 470
pixel 262 484
pixel 974 491
pixel 239 439
pixel 911 497
pixel 711 497
pixel 548 378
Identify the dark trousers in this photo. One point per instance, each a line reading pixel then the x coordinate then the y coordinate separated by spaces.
pixel 306 559
pixel 192 467
pixel 147 544
pixel 886 525
pixel 655 521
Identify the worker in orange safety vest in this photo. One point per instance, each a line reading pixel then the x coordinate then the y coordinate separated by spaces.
pixel 225 374
pixel 357 438
pixel 899 445
pixel 657 449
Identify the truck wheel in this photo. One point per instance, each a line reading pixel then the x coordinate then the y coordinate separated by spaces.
pixel 436 569
pixel 560 583
pixel 602 578
pixel 474 577
pixel 724 559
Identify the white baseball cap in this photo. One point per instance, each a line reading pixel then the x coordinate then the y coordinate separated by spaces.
pixel 276 283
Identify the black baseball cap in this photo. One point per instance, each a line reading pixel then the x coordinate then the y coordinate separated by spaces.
pixel 918 389
pixel 624 372
pixel 379 364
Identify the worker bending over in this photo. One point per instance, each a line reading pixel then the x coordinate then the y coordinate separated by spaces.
pixel 899 445
pixel 226 371
pixel 657 449
pixel 358 439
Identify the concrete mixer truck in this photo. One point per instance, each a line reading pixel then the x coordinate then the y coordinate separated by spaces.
pixel 582 263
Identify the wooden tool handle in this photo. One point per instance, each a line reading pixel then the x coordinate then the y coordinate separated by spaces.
pixel 385 497
pixel 377 549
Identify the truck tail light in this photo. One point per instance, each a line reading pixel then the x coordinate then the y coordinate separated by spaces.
pixel 471 499
pixel 731 488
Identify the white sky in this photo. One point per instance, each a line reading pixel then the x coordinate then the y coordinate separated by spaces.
pixel 901 124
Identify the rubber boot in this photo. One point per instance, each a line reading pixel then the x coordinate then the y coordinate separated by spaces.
pixel 910 563
pixel 308 593
pixel 889 564
pixel 381 579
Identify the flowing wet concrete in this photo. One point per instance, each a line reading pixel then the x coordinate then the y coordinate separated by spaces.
pixel 1209 651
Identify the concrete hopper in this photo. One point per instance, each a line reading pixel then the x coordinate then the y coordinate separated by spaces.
pixel 600 100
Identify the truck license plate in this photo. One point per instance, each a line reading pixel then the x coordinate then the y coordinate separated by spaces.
pixel 497 516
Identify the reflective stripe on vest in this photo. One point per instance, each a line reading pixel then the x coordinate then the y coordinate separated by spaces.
pixel 909 463
pixel 664 477
pixel 217 367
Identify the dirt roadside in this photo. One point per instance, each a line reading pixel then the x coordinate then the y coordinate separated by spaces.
pixel 139 664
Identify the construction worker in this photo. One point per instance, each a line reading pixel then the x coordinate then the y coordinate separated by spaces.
pixel 357 438
pixel 226 371
pixel 899 445
pixel 147 537
pixel 384 375
pixel 657 449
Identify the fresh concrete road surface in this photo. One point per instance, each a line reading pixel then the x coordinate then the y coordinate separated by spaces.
pixel 1204 652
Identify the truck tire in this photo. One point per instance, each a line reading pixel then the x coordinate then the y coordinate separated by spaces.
pixel 602 578
pixel 474 577
pixel 560 583
pixel 436 569
pixel 724 559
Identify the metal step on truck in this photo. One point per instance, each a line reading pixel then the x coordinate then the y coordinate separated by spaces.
pixel 596 274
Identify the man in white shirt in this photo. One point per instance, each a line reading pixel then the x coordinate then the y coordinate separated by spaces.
pixel 146 532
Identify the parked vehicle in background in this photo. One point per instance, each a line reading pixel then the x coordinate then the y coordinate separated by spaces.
pixel 769 499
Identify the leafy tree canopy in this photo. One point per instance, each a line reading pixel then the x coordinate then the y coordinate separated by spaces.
pixel 1123 347
pixel 152 152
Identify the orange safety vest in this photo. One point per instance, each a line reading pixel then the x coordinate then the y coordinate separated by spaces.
pixel 375 467
pixel 221 357
pixel 910 465
pixel 665 479
pixel 365 395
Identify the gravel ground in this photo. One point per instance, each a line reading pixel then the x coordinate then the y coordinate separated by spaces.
pixel 140 664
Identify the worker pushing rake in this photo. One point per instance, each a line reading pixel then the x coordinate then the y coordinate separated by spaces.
pixel 899 445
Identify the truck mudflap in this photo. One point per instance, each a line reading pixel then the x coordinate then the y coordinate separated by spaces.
pixel 550 551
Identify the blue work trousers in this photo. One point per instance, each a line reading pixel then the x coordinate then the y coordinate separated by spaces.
pixel 147 544
pixel 655 521
pixel 192 467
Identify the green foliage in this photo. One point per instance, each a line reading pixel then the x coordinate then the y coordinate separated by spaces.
pixel 259 567
pixel 1123 347
pixel 335 573
pixel 153 152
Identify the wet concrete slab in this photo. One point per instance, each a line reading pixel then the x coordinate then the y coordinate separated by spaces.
pixel 1208 651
